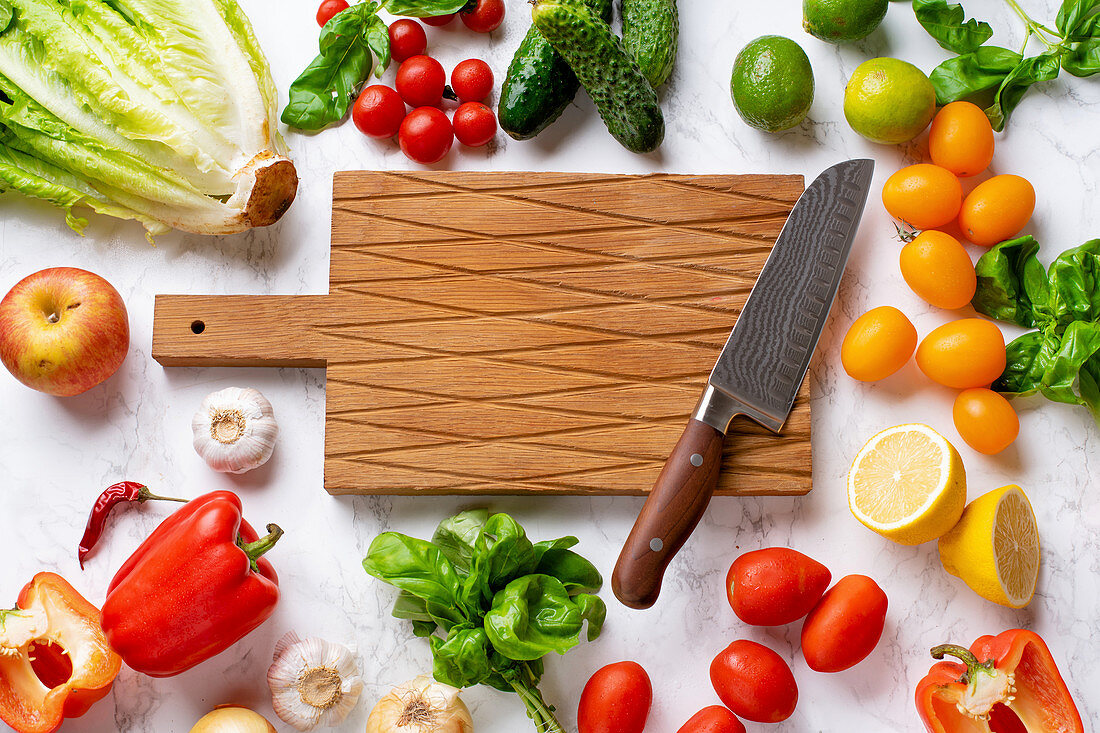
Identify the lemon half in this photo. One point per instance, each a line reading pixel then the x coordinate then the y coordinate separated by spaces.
pixel 908 484
pixel 994 548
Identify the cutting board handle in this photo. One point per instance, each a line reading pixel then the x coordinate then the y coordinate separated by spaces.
pixel 673 509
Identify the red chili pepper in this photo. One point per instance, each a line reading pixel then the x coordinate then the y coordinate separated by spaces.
pixel 1007 683
pixel 125 491
pixel 54 659
pixel 196 586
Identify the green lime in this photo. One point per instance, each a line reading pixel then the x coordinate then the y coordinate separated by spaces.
pixel 772 84
pixel 837 21
pixel 889 101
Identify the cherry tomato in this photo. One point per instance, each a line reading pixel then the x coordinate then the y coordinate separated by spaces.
pixel 845 626
pixel 923 195
pixel 475 124
pixel 426 135
pixel 472 80
pixel 961 139
pixel 878 344
pixel 938 269
pixel 754 682
pixel 616 700
pixel 438 20
pixel 486 16
pixel 774 586
pixel 328 9
pixel 969 352
pixel 378 112
pixel 715 719
pixel 985 420
pixel 997 210
pixel 420 81
pixel 407 39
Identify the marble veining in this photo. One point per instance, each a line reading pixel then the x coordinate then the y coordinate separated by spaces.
pixel 56 455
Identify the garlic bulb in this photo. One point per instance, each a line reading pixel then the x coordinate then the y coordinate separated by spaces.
pixel 313 682
pixel 421 705
pixel 235 430
pixel 233 719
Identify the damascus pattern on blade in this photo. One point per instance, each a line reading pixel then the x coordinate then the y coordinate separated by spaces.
pixel 765 359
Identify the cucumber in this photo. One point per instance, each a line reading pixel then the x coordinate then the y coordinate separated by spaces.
pixel 539 84
pixel 651 34
pixel 623 96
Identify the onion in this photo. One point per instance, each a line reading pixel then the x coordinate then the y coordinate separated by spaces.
pixel 233 719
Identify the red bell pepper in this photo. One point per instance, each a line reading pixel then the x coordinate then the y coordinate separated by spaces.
pixel 1007 683
pixel 194 587
pixel 54 659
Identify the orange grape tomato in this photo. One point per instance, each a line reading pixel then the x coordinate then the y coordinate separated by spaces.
pixel 961 139
pixel 985 420
pixel 969 352
pixel 997 210
pixel 878 344
pixel 938 269
pixel 923 195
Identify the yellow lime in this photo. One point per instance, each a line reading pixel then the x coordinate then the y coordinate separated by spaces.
pixel 889 101
pixel 908 484
pixel 995 547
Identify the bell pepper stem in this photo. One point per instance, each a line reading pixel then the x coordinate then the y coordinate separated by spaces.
pixel 973 666
pixel 255 550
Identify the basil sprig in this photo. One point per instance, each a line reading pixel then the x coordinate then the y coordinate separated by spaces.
pixel 998 78
pixel 1061 360
pixel 492 603
pixel 352 43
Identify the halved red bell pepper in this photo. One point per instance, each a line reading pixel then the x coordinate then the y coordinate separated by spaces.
pixel 194 587
pixel 54 658
pixel 1007 683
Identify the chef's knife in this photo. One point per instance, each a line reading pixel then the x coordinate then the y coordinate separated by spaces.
pixel 758 373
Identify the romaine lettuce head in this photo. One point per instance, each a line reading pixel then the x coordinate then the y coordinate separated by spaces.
pixel 163 111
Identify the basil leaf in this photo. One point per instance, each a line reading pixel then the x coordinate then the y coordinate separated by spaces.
pixel 1074 17
pixel 421 569
pixel 7 14
pixel 423 8
pixel 1082 58
pixel 1043 67
pixel 378 40
pixel 463 659
pixel 594 611
pixel 970 75
pixel 561 543
pixel 532 617
pixel 1026 362
pixel 324 92
pixel 456 536
pixel 1073 373
pixel 575 572
pixel 945 23
pixel 1075 285
pixel 502 553
pixel 1011 282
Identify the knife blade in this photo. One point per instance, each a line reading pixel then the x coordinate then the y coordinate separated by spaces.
pixel 757 374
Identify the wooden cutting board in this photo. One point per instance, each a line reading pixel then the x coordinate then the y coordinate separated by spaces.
pixel 513 333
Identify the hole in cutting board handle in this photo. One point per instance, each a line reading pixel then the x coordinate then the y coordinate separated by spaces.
pixel 197 327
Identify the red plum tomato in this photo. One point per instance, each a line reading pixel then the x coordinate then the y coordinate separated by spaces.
pixel 438 20
pixel 845 626
pixel 472 80
pixel 407 39
pixel 475 124
pixel 420 81
pixel 328 9
pixel 426 135
pixel 754 682
pixel 378 112
pixel 775 586
pixel 486 16
pixel 616 699
pixel 715 719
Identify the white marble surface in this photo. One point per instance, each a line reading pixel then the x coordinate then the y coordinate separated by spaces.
pixel 56 455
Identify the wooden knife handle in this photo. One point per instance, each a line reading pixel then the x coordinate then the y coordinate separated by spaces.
pixel 673 509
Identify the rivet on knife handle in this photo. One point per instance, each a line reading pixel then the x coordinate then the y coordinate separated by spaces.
pixel 674 507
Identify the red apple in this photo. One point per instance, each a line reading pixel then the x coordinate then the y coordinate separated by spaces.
pixel 63 330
